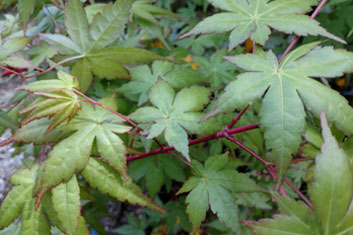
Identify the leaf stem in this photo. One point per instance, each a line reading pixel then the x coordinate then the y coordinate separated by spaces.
pixel 272 170
pixel 237 118
pixel 89 100
pixel 295 40
pixel 218 135
pixel 56 65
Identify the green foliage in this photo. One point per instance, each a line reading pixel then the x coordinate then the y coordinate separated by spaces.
pixel 287 89
pixel 254 18
pixel 210 143
pixel 213 185
pixel 331 194
pixel 174 112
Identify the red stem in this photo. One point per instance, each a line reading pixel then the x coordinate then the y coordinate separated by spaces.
pixel 237 118
pixel 218 135
pixel 89 100
pixel 295 40
pixel 272 171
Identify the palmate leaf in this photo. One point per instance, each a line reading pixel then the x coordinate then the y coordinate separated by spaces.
pixel 72 154
pixel 87 42
pixel 254 18
pixel 107 180
pixel 173 114
pixel 331 194
pixel 142 79
pixel 288 89
pixel 56 100
pixel 212 186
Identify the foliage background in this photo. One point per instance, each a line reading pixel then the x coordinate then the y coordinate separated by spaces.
pixel 199 58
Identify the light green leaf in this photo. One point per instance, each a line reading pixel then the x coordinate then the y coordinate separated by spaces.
pixel 77 24
pixel 25 9
pixel 11 207
pixel 174 114
pixel 108 25
pixel 13 46
pixel 125 55
pixel 289 90
pixel 66 203
pixel 100 175
pixel 331 192
pixel 255 17
pixel 64 81
pixel 33 221
pixel 17 62
pixel 281 225
pixel 63 44
pixel 82 71
pixel 34 132
pixel 214 185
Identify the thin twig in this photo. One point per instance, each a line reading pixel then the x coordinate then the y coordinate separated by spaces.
pixel 237 118
pixel 55 65
pixel 272 171
pixel 180 158
pixel 218 135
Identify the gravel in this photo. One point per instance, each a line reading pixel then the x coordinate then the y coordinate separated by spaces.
pixel 8 163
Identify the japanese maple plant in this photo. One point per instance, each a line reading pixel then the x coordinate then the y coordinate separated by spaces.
pixel 197 119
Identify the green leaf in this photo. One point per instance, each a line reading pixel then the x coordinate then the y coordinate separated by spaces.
pixel 125 55
pixel 63 44
pixel 147 11
pixel 218 70
pixel 254 18
pixel 108 25
pixel 34 132
pixel 82 71
pixel 213 186
pixel 11 207
pixel 64 81
pixel 17 62
pixel 156 171
pixel 6 121
pixel 72 154
pixel 174 113
pixel 100 175
pixel 77 24
pixel 331 195
pixel 57 100
pixel 331 199
pixel 13 46
pixel 142 79
pixel 33 221
pixel 25 9
pixel 288 89
pixel 66 203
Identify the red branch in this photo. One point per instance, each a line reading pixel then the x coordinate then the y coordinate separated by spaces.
pixel 218 135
